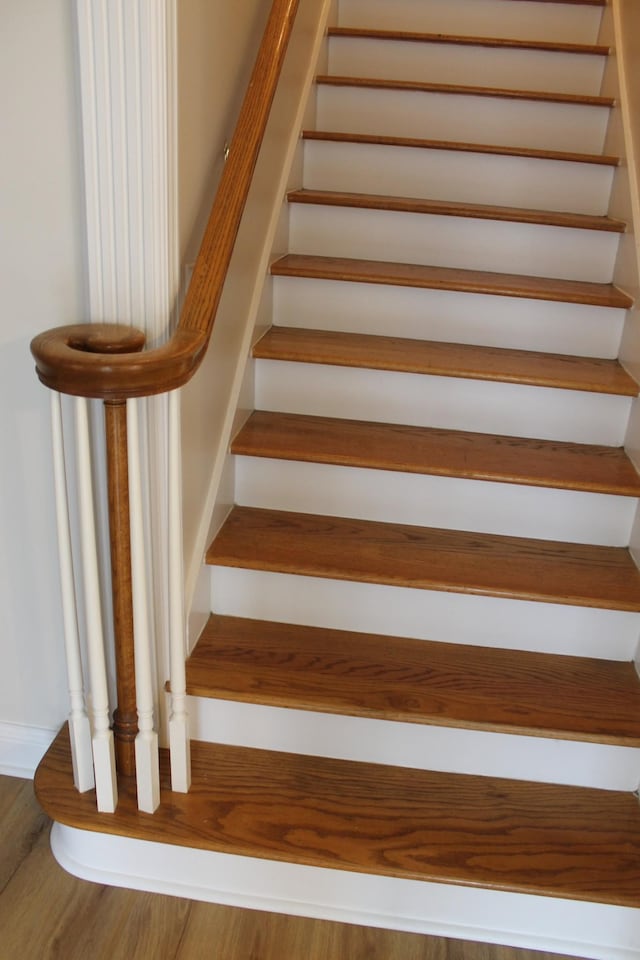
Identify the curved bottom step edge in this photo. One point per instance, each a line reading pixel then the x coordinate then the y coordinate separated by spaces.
pixel 580 929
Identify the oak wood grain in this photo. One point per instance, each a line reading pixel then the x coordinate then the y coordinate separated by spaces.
pixel 435 358
pixel 21 824
pixel 475 831
pixel 448 278
pixel 47 914
pixel 531 153
pixel 580 3
pixel 420 86
pixel 450 208
pixel 125 719
pixel 416 681
pixel 466 41
pixel 439 452
pixel 427 558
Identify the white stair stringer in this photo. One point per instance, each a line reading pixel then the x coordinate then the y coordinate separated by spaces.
pixel 509 509
pixel 448 316
pixel 530 20
pixel 458 116
pixel 539 183
pixel 468 243
pixel 570 927
pixel 487 66
pixel 447 402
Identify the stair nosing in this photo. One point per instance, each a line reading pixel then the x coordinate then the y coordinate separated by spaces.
pixel 428 558
pixel 248 443
pixel 377 352
pixel 407 680
pixel 453 279
pixel 476 211
pixel 414 86
pixel 528 153
pixel 357 33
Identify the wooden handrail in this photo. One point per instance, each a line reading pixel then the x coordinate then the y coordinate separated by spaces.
pixel 106 360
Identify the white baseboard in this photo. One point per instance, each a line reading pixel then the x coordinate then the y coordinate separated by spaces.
pixel 580 929
pixel 22 748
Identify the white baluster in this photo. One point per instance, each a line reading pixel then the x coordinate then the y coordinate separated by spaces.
pixel 103 749
pixel 79 727
pixel 179 739
pixel 147 763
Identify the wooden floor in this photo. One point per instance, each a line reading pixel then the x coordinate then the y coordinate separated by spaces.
pixel 47 914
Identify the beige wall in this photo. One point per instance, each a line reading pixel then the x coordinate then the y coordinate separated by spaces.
pixel 41 279
pixel 217 43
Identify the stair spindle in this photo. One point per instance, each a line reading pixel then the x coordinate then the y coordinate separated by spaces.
pixel 125 720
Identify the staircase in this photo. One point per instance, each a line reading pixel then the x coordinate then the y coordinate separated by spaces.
pixel 415 700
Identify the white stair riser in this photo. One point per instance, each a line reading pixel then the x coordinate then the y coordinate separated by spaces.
pixel 489 18
pixel 580 928
pixel 447 241
pixel 539 184
pixel 444 315
pixel 502 508
pixel 413 745
pixel 426 614
pixel 504 68
pixel 473 119
pixel 447 402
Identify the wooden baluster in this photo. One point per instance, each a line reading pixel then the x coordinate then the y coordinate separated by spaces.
pixel 125 719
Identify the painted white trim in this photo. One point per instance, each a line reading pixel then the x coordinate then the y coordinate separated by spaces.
pixel 627 76
pixel 146 745
pixel 587 930
pixel 79 726
pixel 128 83
pixel 100 714
pixel 127 79
pixel 22 748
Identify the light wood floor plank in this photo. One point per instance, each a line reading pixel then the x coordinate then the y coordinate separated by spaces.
pixel 22 823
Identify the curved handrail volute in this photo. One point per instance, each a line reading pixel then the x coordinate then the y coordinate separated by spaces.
pixel 107 360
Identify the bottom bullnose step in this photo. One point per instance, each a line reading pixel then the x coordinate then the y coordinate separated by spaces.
pixel 503 835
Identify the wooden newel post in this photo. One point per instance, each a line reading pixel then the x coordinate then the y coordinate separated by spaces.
pixel 125 718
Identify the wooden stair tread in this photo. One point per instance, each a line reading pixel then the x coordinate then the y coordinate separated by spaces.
pixel 416 681
pixel 578 221
pixel 449 278
pixel 581 3
pixel 421 86
pixel 434 358
pixel 359 33
pixel 501 834
pixel 427 558
pixel 532 153
pixel 439 452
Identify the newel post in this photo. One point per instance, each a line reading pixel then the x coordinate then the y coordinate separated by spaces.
pixel 127 72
